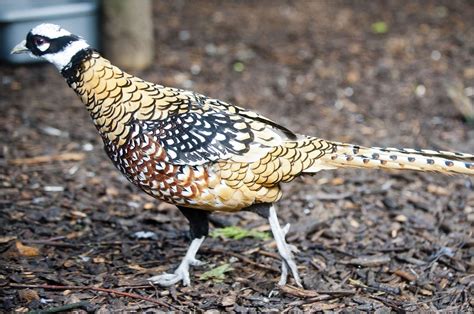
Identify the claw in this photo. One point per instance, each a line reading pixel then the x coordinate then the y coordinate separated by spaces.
pixel 293 248
pixel 196 262
pixel 167 280
pixel 182 272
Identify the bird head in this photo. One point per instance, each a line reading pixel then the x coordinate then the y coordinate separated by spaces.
pixel 52 43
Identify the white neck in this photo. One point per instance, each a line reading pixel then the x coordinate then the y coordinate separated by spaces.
pixel 62 58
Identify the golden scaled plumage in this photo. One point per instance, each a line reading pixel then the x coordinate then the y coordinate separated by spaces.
pixel 236 157
pixel 266 155
pixel 114 97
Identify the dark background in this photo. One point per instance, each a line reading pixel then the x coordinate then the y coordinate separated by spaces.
pixel 316 67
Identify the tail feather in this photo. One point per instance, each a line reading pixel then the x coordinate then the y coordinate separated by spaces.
pixel 353 156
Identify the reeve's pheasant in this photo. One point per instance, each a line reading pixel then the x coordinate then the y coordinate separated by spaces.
pixel 203 154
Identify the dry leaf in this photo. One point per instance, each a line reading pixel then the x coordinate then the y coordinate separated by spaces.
pixel 405 275
pixel 78 214
pixel 28 295
pixel 229 300
pixel 98 260
pixel 28 251
pixel 69 263
pixel 371 261
pixel 319 306
pixel 425 292
pixel 337 181
pixel 136 267
pixel 438 190
pixel 299 292
pixel 111 191
pixel 6 239
pixel 149 206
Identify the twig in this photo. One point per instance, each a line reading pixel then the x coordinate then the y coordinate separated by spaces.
pixel 48 158
pixel 54 243
pixel 59 309
pixel 312 296
pixel 269 254
pixel 243 259
pixel 390 303
pixel 390 249
pixel 368 261
pixel 461 102
pixel 90 244
pixel 315 295
pixel 111 291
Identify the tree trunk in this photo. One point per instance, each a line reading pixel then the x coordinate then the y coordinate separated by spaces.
pixel 127 29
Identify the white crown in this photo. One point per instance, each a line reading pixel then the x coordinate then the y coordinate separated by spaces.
pixel 50 31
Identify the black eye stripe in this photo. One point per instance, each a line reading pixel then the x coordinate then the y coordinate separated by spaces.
pixel 55 44
pixel 58 44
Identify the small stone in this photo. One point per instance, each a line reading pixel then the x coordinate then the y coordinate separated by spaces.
pixel 401 218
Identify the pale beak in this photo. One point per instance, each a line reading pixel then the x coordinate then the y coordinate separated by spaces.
pixel 20 48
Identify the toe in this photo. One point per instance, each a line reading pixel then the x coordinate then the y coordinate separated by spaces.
pixel 282 281
pixel 196 262
pixel 293 248
pixel 298 282
pixel 165 280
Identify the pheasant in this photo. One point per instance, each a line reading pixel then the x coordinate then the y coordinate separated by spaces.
pixel 202 154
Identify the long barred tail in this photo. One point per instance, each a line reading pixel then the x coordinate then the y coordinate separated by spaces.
pixel 353 156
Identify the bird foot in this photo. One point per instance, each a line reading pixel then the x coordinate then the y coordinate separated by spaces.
pixel 182 272
pixel 167 280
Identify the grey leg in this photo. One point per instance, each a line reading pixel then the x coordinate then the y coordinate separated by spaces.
pixel 284 249
pixel 182 272
pixel 199 229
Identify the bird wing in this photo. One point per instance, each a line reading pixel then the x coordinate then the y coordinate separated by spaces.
pixel 203 130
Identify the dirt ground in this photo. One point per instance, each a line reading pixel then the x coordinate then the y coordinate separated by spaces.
pixel 375 73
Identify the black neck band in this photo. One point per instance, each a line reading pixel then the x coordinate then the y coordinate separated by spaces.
pixel 69 72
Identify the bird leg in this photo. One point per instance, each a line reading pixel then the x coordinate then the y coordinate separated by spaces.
pixel 284 249
pixel 199 229
pixel 182 272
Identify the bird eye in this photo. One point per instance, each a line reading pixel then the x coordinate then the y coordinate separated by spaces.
pixel 38 41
